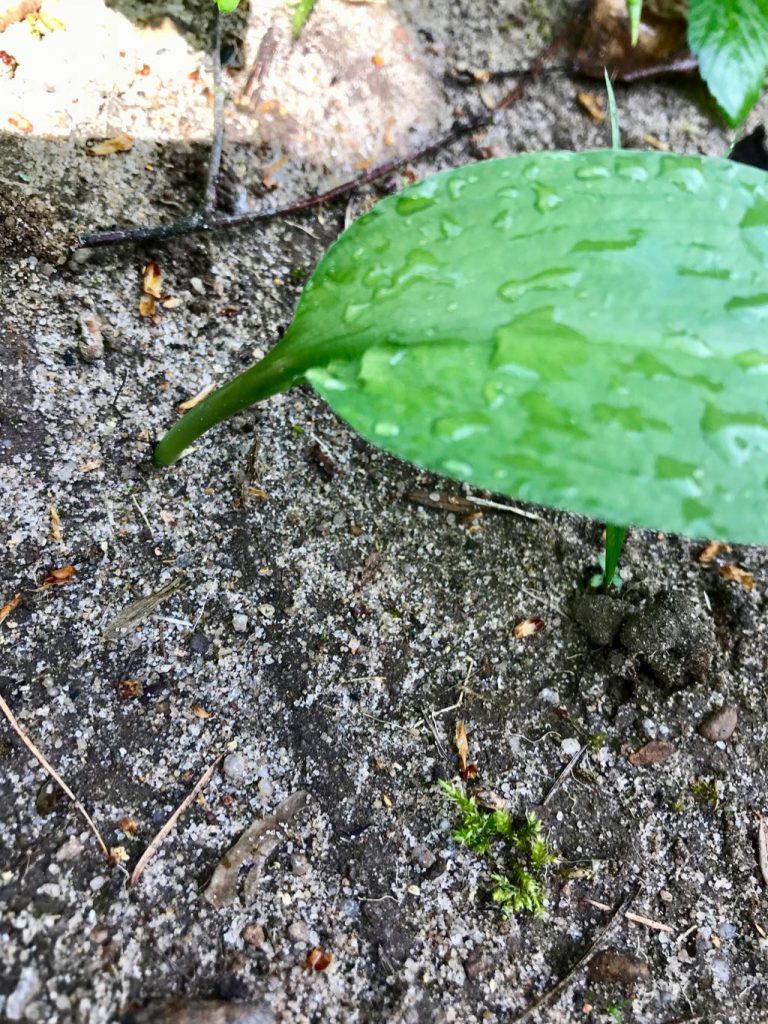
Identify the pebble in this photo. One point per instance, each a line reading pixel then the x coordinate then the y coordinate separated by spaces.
pixel 423 856
pixel 298 931
pixel 571 746
pixel 239 622
pixel 721 970
pixel 197 285
pixel 253 935
pixel 91 343
pixel 234 767
pixel 69 850
pixel 719 726
pixel 549 696
pixel 27 987
pixel 616 968
pixel 299 865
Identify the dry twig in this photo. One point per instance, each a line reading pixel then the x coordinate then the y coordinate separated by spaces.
pixel 168 827
pixel 38 754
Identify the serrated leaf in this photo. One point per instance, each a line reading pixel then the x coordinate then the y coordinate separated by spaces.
pixel 730 39
pixel 581 330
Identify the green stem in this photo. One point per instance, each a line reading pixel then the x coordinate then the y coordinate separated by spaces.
pixel 274 373
pixel 614 543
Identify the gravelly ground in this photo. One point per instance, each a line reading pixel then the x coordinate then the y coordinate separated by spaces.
pixel 323 627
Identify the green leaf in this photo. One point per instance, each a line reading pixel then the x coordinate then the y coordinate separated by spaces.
pixel 613 112
pixel 635 8
pixel 227 6
pixel 581 330
pixel 730 39
pixel 301 11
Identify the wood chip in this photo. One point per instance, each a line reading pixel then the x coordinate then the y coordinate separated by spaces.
pixel 528 627
pixel 118 144
pixel 593 106
pixel 461 742
pixel 196 400
pixel 55 526
pixel 652 753
pixel 8 607
pixel 318 959
pixel 740 576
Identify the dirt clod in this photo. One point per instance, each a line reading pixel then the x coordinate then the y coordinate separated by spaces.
pixel 599 615
pixel 672 637
pixel 613 968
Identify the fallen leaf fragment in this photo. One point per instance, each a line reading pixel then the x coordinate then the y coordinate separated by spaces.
pixel 612 967
pixel 318 959
pixel 137 610
pixel 58 577
pixel 593 106
pixel 170 302
pixel 153 280
pixel 200 712
pixel 118 854
pixel 8 607
pixel 119 144
pixel 8 64
pixel 23 124
pixel 711 551
pixel 256 844
pixel 129 689
pixel 528 627
pixel 652 753
pixel 55 526
pixel 461 743
pixel 146 305
pixel 740 576
pixel 192 402
pixel 88 467
pixel 127 825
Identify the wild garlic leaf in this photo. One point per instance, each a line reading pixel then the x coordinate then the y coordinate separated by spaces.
pixel 635 8
pixel 730 39
pixel 580 330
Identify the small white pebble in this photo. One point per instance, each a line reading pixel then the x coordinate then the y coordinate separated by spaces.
pixel 239 622
pixel 197 285
pixel 571 746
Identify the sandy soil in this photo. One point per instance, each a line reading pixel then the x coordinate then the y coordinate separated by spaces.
pixel 322 625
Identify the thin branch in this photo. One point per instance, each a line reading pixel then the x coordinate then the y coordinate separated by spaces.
pixel 195 223
pixel 551 993
pixel 168 827
pixel 38 754
pixel 214 164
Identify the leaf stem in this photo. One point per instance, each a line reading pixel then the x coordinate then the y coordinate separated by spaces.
pixel 614 544
pixel 271 375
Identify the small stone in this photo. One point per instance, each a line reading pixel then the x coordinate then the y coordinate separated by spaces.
pixel 571 746
pixel 299 865
pixel 70 850
pixel 612 967
pixel 549 696
pixel 91 344
pixel 199 643
pixel 298 931
pixel 234 767
pixel 197 285
pixel 423 856
pixel 721 971
pixel 239 622
pixel 26 988
pixel 253 935
pixel 719 726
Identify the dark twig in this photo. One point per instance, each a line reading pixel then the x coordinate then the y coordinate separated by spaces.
pixel 196 223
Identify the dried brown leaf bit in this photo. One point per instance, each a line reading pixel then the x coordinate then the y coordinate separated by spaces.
pixel 711 550
pixel 593 106
pixel 528 627
pixel 190 403
pixel 318 959
pixel 55 526
pixel 652 753
pixel 58 577
pixel 612 967
pixel 9 607
pixel 741 576
pixel 119 144
pixel 462 744
pixel 153 280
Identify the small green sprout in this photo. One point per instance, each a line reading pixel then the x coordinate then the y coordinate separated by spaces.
pixel 518 888
pixel 227 6
pixel 707 790
pixel 301 11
